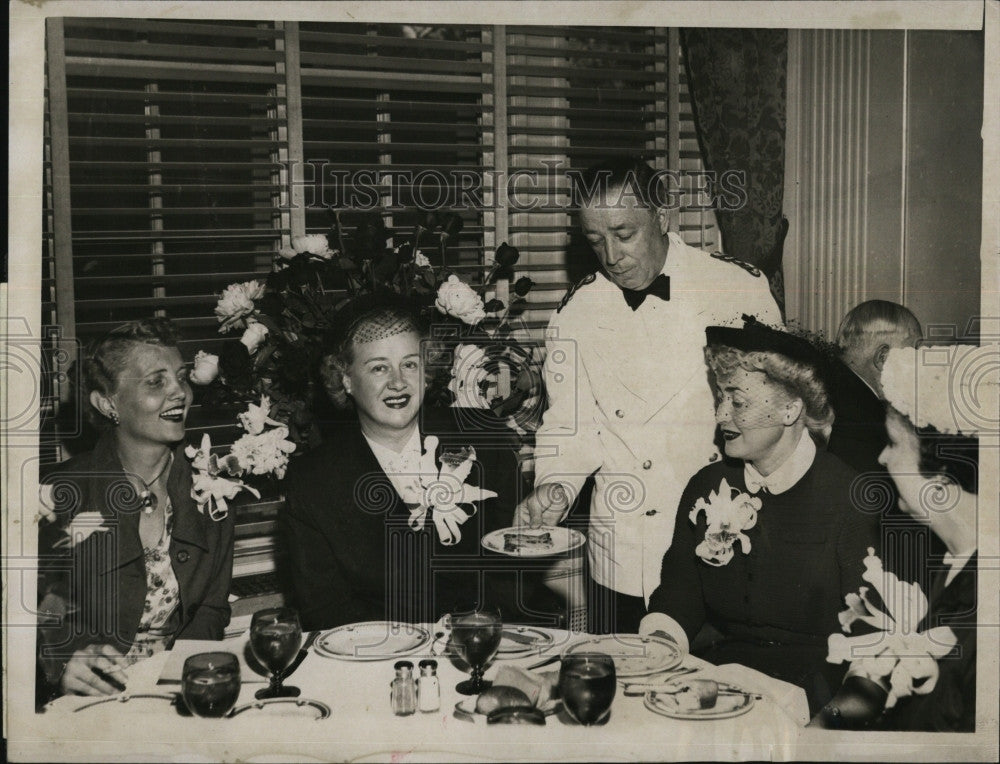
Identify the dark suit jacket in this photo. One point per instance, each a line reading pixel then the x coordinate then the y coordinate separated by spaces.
pixel 104 577
pixel 951 705
pixel 859 433
pixel 352 556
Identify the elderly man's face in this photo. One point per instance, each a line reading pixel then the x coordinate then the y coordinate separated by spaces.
pixel 627 238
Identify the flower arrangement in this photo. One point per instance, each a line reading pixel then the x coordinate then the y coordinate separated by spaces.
pixel 728 512
pixel 289 319
pixel 897 652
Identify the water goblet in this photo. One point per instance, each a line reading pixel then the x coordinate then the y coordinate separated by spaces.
pixel 587 686
pixel 210 683
pixel 476 637
pixel 275 637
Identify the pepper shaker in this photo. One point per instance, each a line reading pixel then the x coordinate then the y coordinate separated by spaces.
pixel 404 690
pixel 428 687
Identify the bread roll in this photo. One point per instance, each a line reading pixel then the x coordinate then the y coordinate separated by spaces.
pixel 501 697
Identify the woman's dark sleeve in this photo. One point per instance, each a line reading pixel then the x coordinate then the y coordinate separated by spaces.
pixel 321 591
pixel 213 613
pixel 679 594
pixel 859 530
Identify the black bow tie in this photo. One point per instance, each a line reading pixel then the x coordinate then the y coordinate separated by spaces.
pixel 659 288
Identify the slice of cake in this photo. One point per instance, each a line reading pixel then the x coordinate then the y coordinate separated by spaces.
pixel 515 542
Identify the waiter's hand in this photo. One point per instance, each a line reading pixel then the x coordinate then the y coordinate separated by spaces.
pixel 94 670
pixel 546 505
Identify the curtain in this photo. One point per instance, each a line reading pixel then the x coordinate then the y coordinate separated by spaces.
pixel 737 82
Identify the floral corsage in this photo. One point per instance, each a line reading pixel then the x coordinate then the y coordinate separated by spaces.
pixel 444 489
pixel 897 652
pixel 210 489
pixel 728 512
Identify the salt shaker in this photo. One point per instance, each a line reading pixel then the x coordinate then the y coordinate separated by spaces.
pixel 404 690
pixel 428 687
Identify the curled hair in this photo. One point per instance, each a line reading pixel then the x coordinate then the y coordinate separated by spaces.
pixel 797 379
pixel 632 175
pixel 955 456
pixel 369 326
pixel 106 358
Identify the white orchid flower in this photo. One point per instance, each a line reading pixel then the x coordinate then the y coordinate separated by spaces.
pixel 897 652
pixel 445 489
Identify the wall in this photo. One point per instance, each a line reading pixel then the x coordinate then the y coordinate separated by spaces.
pixel 884 174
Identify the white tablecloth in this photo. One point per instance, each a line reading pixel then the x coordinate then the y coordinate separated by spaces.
pixel 362 726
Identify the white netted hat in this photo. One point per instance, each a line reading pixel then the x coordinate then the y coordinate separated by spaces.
pixel 954 389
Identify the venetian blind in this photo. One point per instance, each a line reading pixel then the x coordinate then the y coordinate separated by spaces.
pixel 397 117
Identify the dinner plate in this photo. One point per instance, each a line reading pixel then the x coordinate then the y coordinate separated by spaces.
pixel 677 703
pixel 285 707
pixel 512 642
pixel 371 641
pixel 467 706
pixel 547 540
pixel 634 655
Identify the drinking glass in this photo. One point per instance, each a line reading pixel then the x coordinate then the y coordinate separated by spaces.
pixel 275 637
pixel 476 637
pixel 587 686
pixel 210 683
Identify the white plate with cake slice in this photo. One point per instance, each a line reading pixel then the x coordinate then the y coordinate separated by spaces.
pixel 533 542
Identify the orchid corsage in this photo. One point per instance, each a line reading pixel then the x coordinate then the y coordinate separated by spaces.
pixel 444 489
pixel 210 489
pixel 728 512
pixel 897 652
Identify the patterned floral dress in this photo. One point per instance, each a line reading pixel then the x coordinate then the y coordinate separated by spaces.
pixel 158 624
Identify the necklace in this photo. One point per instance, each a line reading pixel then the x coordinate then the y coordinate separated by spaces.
pixel 147 499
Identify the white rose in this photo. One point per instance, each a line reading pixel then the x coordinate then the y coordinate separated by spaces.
pixel 314 244
pixel 253 336
pixel 287 253
pixel 456 298
pixel 420 260
pixel 236 303
pixel 206 368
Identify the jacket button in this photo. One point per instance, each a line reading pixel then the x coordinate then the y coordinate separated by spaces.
pixel 647 464
pixel 650 512
pixel 183 556
pixel 620 414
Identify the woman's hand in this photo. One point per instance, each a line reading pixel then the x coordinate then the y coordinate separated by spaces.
pixel 83 671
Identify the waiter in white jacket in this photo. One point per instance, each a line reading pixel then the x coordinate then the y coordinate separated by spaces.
pixel 629 399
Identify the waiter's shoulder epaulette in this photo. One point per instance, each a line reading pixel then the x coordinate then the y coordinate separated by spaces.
pixel 753 270
pixel 588 279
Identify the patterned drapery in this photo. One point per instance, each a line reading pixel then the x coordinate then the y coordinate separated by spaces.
pixel 737 82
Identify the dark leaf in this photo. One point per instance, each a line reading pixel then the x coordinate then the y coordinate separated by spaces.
pixel 405 252
pixel 494 306
pixel 452 224
pixel 522 286
pixel 507 407
pixel 385 266
pixel 507 255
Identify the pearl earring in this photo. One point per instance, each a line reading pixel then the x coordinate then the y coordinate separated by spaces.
pixel 113 416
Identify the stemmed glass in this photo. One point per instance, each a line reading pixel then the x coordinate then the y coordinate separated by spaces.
pixel 210 683
pixel 275 637
pixel 587 686
pixel 476 637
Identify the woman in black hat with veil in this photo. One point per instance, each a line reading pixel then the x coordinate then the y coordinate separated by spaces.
pixel 767 542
